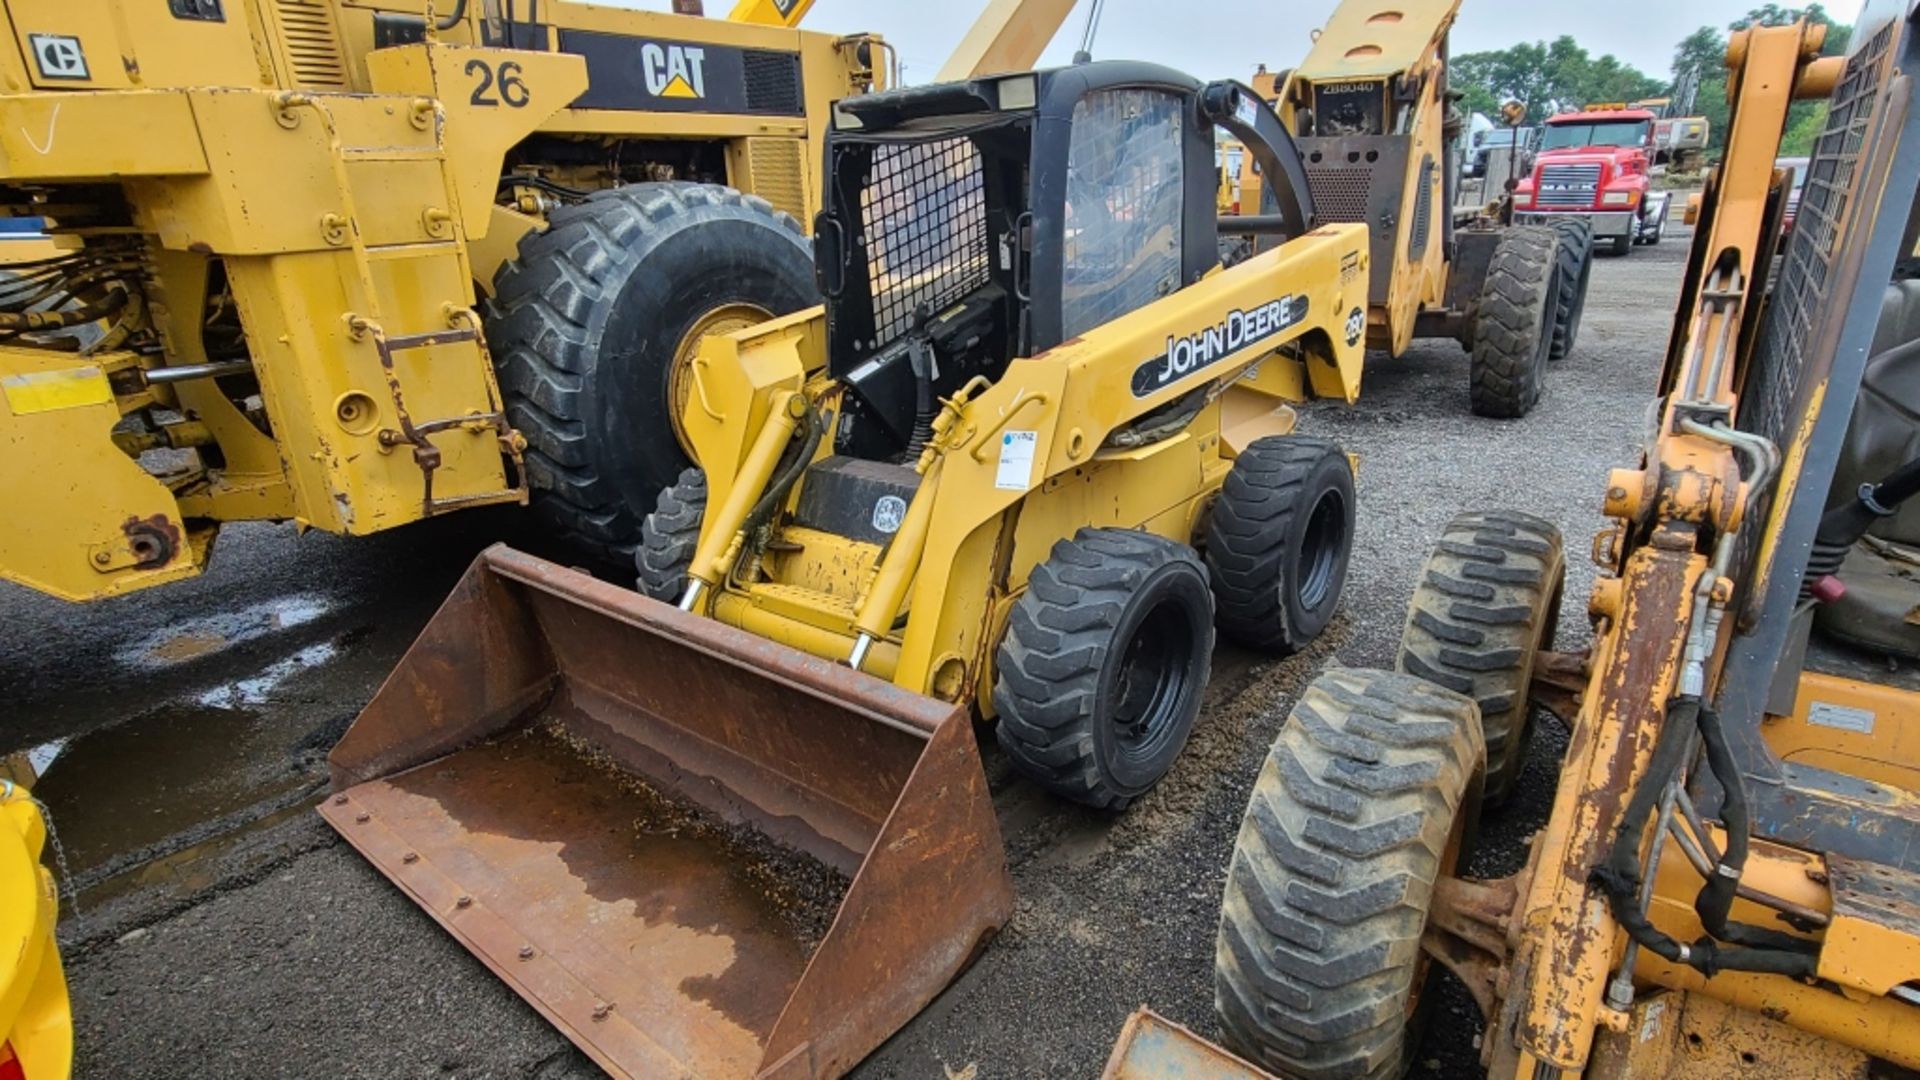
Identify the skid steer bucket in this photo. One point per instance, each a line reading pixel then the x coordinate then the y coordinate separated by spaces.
pixel 696 851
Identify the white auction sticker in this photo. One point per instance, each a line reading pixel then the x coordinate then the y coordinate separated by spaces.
pixel 1016 461
pixel 1827 714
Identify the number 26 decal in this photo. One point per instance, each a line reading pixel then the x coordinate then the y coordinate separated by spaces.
pixel 505 80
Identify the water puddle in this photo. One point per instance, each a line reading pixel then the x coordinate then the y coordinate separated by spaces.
pixel 123 795
pixel 257 689
pixel 40 758
pixel 209 634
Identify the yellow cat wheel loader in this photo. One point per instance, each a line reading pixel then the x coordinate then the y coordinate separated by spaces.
pixel 1729 883
pixel 1034 448
pixel 1370 111
pixel 358 264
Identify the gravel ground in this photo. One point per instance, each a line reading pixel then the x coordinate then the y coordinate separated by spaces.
pixel 224 931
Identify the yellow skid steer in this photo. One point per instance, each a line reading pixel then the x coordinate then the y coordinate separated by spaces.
pixel 1035 446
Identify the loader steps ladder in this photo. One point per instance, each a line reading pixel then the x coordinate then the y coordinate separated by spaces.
pixel 463 324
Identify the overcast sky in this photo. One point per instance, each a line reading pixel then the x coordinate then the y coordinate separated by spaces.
pixel 1221 38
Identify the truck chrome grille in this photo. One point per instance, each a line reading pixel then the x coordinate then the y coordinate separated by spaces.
pixel 1567 187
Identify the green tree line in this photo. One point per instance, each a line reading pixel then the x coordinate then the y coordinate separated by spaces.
pixel 1550 76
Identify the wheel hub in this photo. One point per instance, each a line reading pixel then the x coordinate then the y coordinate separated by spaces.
pixel 724 319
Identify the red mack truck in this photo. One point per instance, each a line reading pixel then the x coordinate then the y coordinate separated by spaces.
pixel 1597 164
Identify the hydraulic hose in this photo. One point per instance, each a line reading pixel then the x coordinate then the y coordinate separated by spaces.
pixel 785 475
pixel 1619 876
pixel 451 20
pixel 53 320
pixel 1715 900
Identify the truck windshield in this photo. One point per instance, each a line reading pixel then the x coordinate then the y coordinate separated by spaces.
pixel 1601 133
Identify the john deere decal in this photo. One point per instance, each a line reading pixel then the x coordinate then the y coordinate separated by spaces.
pixel 1189 353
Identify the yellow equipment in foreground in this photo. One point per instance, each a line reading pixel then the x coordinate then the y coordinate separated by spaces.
pixel 36 1022
pixel 750 836
pixel 1370 109
pixel 1729 883
pixel 358 264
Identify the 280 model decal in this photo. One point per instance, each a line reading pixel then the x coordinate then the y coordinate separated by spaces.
pixel 1203 348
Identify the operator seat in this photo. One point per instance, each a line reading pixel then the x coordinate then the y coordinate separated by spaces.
pixel 1881 607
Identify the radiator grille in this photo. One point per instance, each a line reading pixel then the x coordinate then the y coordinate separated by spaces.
pixel 312 43
pixel 924 217
pixel 1340 192
pixel 773 82
pixel 775 168
pixel 1422 211
pixel 1571 187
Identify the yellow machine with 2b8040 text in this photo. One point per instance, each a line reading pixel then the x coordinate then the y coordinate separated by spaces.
pixel 1378 129
pixel 978 481
pixel 355 265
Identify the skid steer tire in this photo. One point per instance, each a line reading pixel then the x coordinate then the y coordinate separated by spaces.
pixel 592 326
pixel 1101 671
pixel 1513 327
pixel 1487 603
pixel 669 536
pixel 1574 257
pixel 1363 803
pixel 1278 542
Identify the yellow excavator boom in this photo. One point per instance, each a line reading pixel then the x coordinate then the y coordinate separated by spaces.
pixel 1009 35
pixel 770 12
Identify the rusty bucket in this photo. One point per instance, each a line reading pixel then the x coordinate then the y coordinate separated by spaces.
pixel 697 852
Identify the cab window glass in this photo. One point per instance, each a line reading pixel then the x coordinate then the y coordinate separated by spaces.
pixel 1124 205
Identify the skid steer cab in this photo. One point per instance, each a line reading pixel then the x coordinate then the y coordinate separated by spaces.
pixel 1034 449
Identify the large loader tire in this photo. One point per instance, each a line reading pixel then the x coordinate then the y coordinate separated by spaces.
pixel 594 327
pixel 1278 542
pixel 1362 805
pixel 1513 328
pixel 1105 658
pixel 1487 604
pixel 669 536
pixel 1574 256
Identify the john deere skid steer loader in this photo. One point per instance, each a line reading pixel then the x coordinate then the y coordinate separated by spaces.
pixel 748 833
